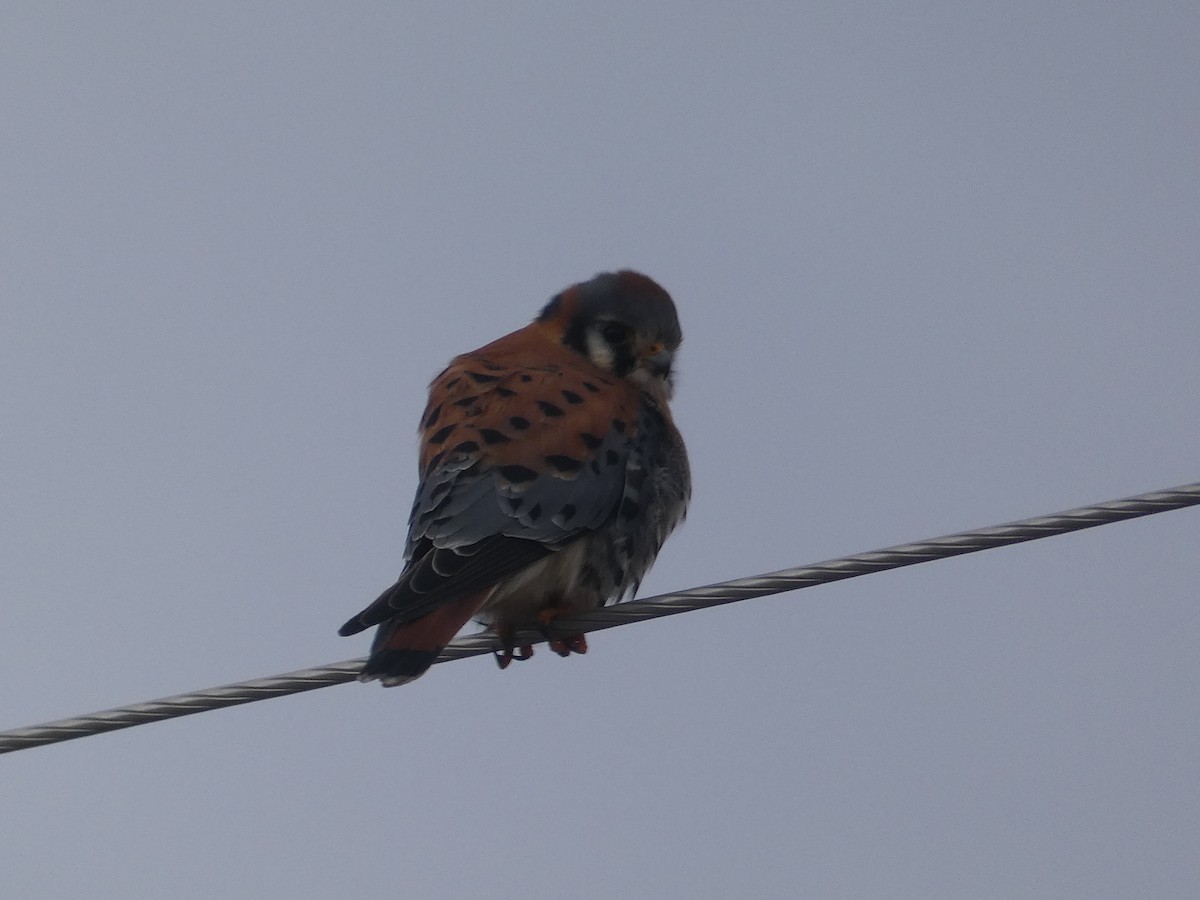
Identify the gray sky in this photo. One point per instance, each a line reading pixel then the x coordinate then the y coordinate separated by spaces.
pixel 936 266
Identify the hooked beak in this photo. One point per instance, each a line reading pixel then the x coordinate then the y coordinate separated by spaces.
pixel 658 361
pixel 654 370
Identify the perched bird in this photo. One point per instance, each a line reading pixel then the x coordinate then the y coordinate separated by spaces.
pixel 551 473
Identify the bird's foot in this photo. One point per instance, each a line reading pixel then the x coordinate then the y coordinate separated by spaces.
pixel 575 643
pixel 563 645
pixel 507 652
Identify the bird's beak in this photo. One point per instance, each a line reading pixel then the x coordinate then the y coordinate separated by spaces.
pixel 658 360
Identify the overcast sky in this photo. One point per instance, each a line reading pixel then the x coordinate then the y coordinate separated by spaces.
pixel 937 268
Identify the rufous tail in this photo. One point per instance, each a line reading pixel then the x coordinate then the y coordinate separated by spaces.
pixel 403 651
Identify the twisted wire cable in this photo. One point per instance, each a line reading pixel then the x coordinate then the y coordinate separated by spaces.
pixel 623 614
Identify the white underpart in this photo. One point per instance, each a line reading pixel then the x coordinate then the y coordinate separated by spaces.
pixel 599 350
pixel 552 579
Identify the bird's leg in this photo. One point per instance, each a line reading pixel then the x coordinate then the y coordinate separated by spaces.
pixel 563 645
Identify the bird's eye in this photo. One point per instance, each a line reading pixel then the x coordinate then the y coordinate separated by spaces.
pixel 615 333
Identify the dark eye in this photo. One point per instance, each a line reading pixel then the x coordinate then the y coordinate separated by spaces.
pixel 615 333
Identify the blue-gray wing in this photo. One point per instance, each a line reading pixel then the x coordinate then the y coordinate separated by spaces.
pixel 516 463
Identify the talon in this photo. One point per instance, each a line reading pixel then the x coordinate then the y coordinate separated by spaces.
pixel 545 619
pixel 563 645
pixel 577 643
pixel 573 643
pixel 507 652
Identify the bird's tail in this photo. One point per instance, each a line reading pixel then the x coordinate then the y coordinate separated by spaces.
pixel 403 651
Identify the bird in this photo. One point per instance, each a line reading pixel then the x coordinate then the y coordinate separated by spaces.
pixel 551 473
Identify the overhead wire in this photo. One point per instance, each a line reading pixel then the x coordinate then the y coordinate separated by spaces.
pixel 623 614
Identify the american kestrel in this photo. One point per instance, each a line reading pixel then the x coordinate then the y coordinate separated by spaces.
pixel 551 474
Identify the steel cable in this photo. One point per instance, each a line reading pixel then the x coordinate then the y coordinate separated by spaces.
pixel 623 614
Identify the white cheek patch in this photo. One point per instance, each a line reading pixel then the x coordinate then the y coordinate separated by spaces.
pixel 599 351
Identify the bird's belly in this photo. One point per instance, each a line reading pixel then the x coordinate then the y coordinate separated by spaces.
pixel 557 581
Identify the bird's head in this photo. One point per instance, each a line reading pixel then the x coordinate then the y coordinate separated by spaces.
pixel 624 322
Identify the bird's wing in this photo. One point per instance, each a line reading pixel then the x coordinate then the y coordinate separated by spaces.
pixel 524 448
